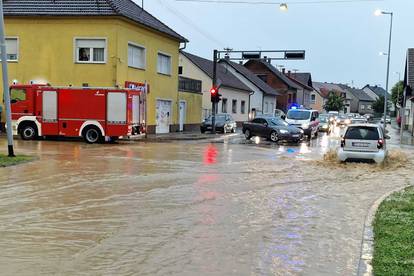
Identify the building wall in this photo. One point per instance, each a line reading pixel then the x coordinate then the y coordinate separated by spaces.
pixel 46 54
pixel 192 71
pixel 238 95
pixel 271 103
pixel 365 107
pixel 193 102
pixel 319 102
pixel 354 103
pixel 370 93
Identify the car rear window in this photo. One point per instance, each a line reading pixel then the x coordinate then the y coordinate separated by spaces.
pixel 362 133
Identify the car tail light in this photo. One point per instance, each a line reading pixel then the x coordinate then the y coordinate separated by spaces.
pixel 342 142
pixel 380 144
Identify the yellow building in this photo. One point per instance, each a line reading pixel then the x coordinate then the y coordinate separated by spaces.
pixel 99 43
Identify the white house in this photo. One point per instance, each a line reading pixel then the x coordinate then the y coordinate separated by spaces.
pixel 235 94
pixel 263 100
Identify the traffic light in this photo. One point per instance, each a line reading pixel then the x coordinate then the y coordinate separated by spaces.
pixel 215 95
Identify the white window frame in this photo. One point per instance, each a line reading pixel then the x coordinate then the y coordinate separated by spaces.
pixel 76 52
pixel 168 55
pixel 145 55
pixel 18 48
pixel 313 101
pixel 362 106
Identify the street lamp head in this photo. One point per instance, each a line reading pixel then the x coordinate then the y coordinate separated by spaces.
pixel 378 12
pixel 283 7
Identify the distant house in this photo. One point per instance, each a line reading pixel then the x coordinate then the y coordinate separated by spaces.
pixel 374 91
pixel 360 101
pixel 264 98
pixel 235 94
pixel 408 89
pixel 324 89
pixel 305 81
pixel 287 88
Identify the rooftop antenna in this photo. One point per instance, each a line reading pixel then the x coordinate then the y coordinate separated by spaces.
pixel 295 71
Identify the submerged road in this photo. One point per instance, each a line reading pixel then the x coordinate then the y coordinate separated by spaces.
pixel 187 208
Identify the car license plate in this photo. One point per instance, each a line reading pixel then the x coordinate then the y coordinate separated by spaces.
pixel 361 145
pixel 295 135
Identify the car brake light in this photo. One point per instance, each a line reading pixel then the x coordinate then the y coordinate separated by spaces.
pixel 342 142
pixel 380 144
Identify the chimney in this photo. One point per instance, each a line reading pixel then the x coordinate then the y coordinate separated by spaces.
pixel 283 71
pixel 289 72
pixel 241 62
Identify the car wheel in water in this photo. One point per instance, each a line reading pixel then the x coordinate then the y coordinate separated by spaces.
pixel 274 137
pixel 247 134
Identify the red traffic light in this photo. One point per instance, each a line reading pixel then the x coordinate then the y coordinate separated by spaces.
pixel 213 91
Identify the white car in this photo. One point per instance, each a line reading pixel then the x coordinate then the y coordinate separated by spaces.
pixel 363 141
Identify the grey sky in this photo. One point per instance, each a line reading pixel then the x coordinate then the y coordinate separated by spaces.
pixel 342 41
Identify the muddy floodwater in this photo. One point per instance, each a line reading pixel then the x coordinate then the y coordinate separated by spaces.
pixel 187 208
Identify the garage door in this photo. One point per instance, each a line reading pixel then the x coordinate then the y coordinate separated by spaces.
pixel 163 116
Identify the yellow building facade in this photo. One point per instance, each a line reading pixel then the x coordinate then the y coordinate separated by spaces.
pixel 96 51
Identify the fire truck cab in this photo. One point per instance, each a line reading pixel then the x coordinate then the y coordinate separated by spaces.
pixel 91 113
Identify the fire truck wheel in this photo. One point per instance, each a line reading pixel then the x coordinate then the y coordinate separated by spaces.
pixel 28 132
pixel 92 135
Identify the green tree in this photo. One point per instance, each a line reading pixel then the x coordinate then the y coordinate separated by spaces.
pixel 378 105
pixel 334 102
pixel 397 93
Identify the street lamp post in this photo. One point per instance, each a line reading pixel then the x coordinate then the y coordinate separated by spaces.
pixel 378 13
pixel 6 92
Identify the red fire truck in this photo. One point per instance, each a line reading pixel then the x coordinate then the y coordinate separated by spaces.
pixel 91 113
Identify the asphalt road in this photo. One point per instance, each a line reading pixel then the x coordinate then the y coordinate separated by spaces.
pixel 188 208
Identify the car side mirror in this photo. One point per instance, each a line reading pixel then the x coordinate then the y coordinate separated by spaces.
pixel 387 137
pixel 283 117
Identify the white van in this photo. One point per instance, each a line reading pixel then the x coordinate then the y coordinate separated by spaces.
pixel 304 119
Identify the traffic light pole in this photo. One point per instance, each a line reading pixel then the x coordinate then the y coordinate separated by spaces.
pixel 213 103
pixel 6 90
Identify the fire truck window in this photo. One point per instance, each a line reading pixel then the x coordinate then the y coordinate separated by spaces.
pixel 17 95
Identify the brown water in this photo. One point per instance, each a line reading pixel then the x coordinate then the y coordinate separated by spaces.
pixel 186 209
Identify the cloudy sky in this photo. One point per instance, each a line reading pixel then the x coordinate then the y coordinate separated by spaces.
pixel 342 40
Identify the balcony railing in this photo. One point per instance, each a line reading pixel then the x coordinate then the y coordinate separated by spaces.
pixel 189 85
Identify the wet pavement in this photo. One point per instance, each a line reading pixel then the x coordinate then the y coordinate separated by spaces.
pixel 187 208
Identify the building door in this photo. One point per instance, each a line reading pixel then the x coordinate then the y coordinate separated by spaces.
pixel 163 115
pixel 182 115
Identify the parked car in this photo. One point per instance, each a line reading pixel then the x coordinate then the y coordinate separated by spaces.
pixel 324 124
pixel 363 141
pixel 272 128
pixel 387 119
pixel 224 123
pixel 304 119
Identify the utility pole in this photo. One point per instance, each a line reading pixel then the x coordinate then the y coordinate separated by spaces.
pixel 6 89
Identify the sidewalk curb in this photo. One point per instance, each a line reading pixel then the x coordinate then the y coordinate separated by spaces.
pixel 367 244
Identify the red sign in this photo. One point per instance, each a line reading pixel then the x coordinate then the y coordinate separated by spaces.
pixel 139 86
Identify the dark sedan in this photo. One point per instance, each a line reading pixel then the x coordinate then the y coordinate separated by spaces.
pixel 273 129
pixel 224 123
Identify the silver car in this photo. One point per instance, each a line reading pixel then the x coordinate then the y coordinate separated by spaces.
pixel 363 141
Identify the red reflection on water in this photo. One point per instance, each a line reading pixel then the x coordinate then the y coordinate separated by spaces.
pixel 210 155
